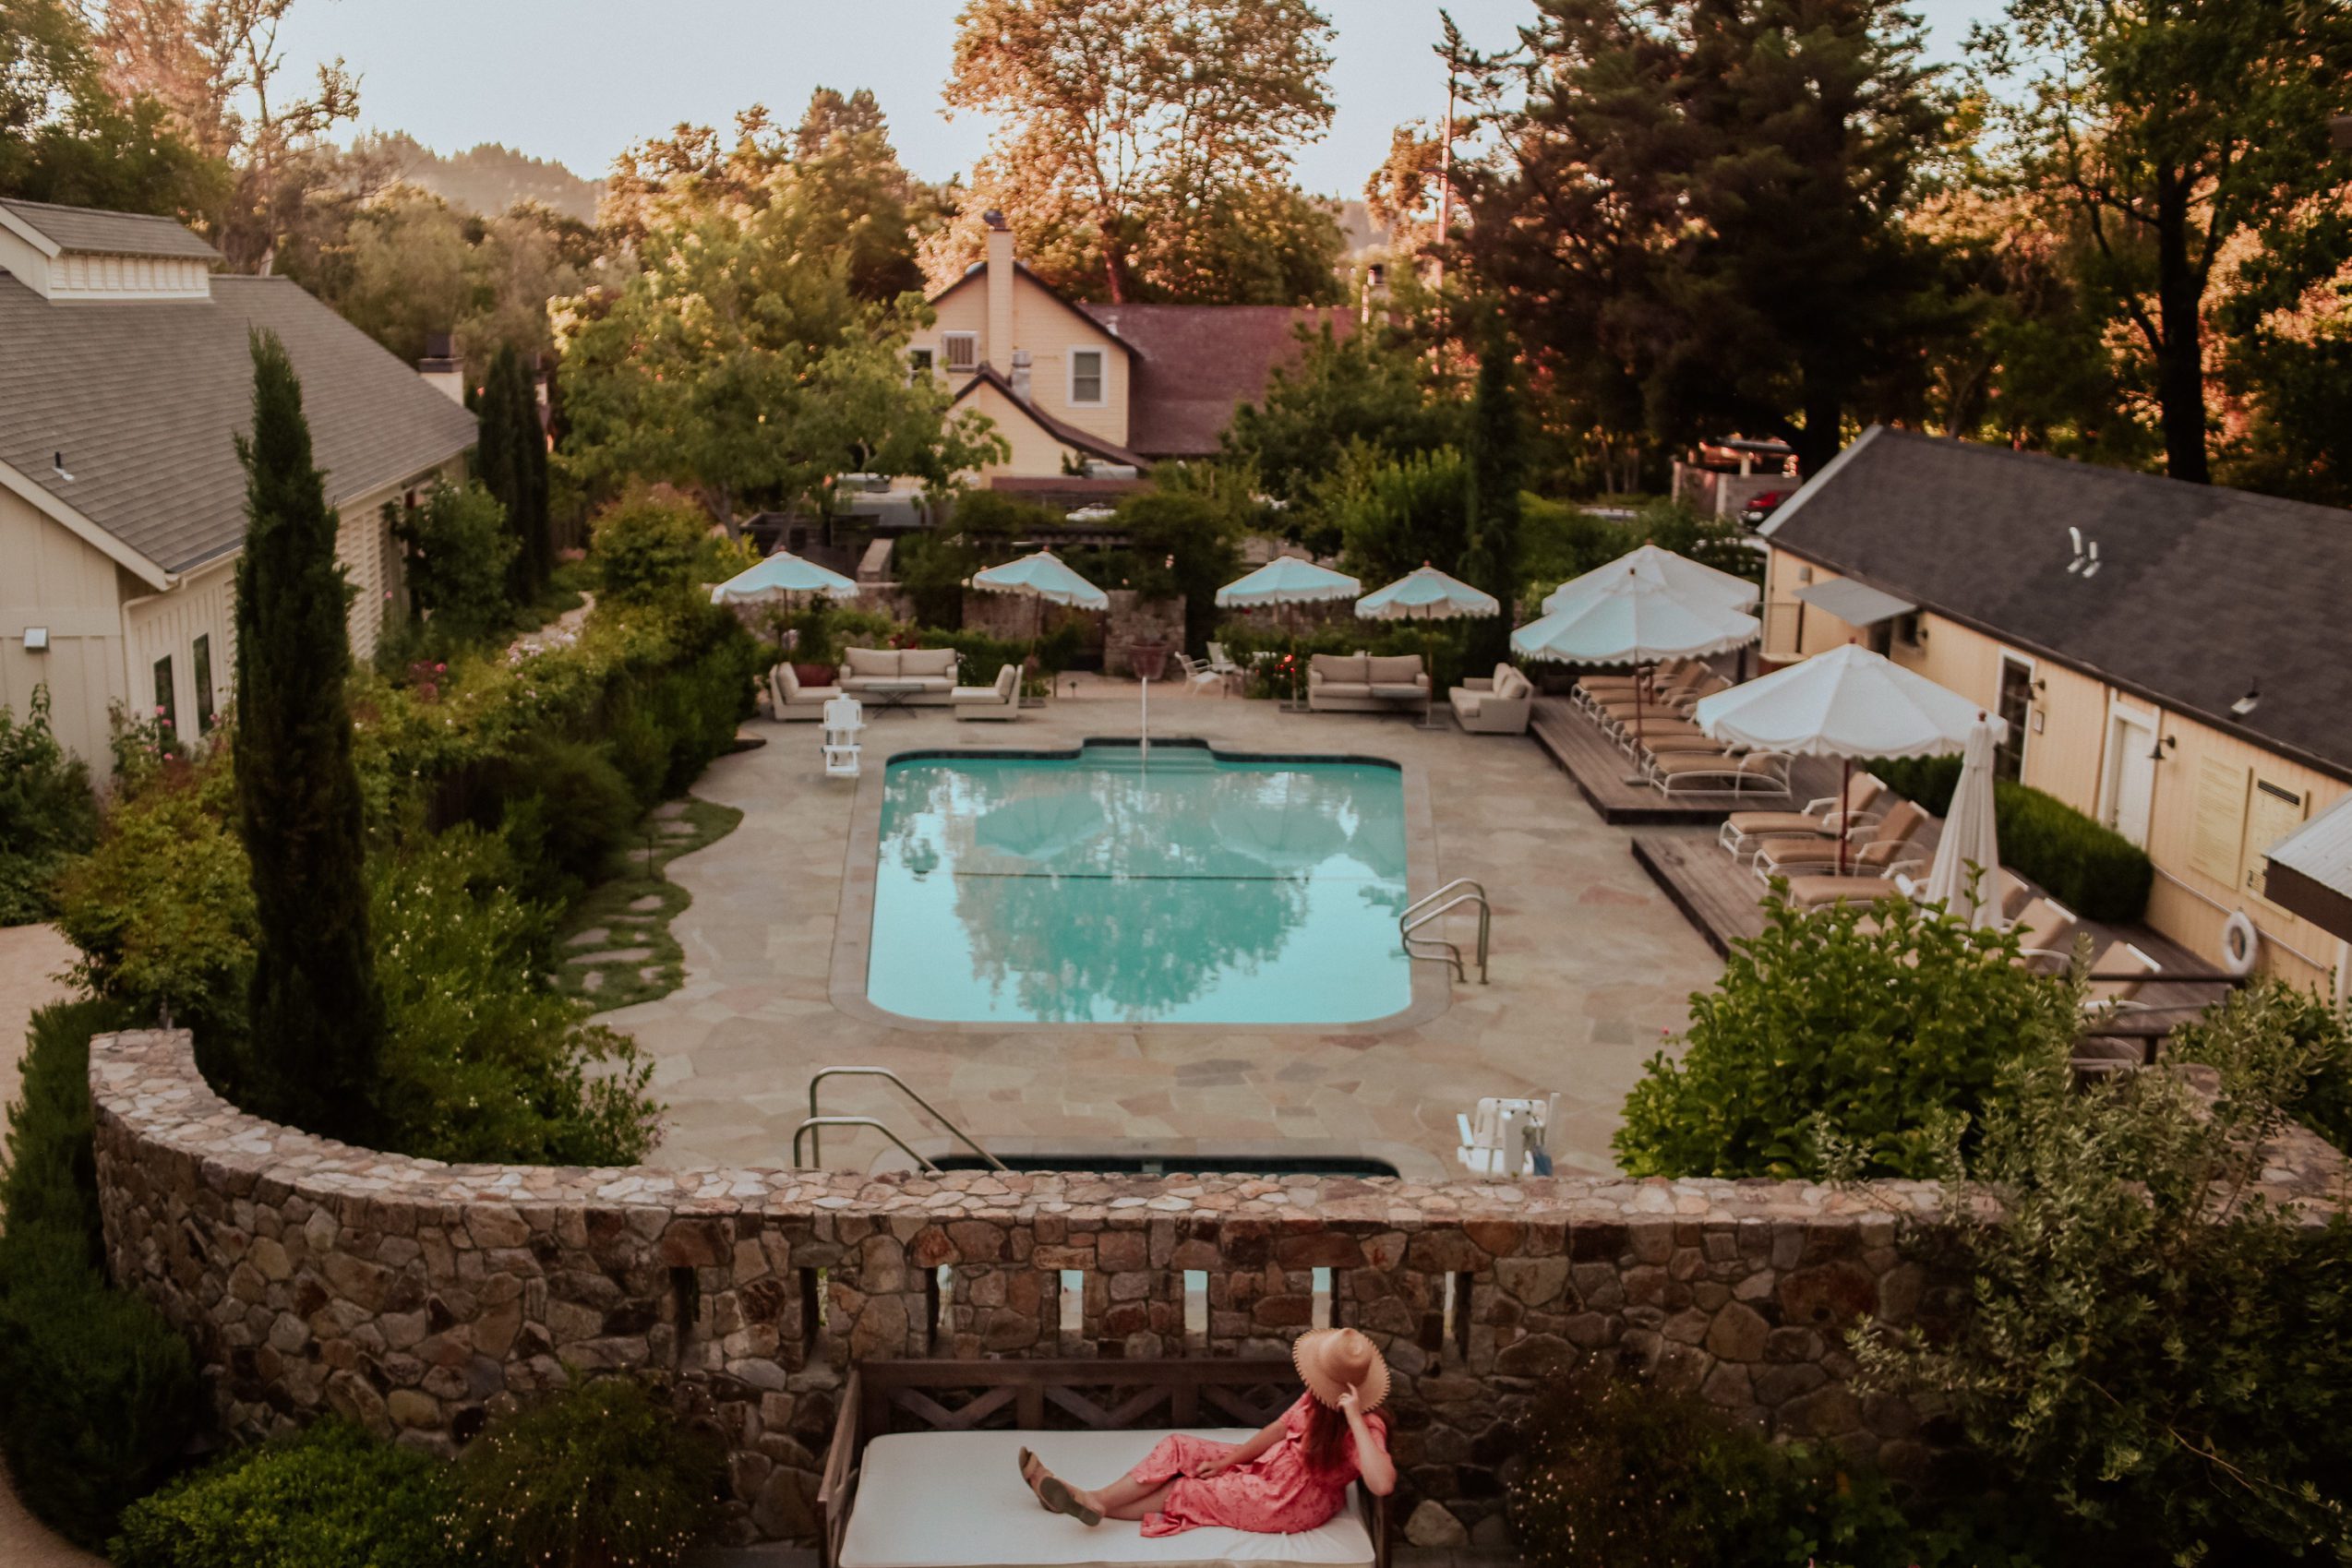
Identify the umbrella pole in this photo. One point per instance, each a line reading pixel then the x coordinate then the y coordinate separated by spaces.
pixel 1845 792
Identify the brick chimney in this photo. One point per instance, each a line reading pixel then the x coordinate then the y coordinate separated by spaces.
pixel 997 349
pixel 441 368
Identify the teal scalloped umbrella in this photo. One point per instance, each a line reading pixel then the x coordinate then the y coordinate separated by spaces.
pixel 1426 595
pixel 1287 579
pixel 783 576
pixel 1044 577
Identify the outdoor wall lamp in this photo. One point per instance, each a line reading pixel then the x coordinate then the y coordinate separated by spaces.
pixel 2164 744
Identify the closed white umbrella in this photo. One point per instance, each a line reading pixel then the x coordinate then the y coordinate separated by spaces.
pixel 1848 702
pixel 1044 577
pixel 1966 876
pixel 1632 619
pixel 1686 577
pixel 1287 579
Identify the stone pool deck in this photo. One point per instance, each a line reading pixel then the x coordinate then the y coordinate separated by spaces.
pixel 1592 967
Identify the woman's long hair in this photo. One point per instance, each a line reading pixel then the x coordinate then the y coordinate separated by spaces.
pixel 1326 1437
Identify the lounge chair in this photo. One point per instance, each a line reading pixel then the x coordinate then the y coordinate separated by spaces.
pixel 1197 675
pixel 1497 704
pixel 1223 663
pixel 791 703
pixel 1667 674
pixel 1867 883
pixel 1000 700
pixel 1825 818
pixel 1675 701
pixel 1752 772
pixel 2044 931
pixel 2125 969
pixel 1814 853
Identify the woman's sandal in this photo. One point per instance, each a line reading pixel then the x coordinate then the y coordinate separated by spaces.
pixel 1057 1494
pixel 1031 1469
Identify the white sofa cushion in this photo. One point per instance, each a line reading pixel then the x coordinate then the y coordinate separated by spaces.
pixel 927 663
pixel 1392 669
pixel 1340 669
pixel 955 1500
pixel 872 663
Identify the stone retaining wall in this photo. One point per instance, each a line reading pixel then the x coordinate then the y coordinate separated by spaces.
pixel 419 1298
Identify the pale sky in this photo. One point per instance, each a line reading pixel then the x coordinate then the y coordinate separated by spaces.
pixel 578 81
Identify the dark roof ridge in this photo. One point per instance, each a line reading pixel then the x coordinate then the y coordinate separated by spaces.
pixel 978 271
pixel 1060 430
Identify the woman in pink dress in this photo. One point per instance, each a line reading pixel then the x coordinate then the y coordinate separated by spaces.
pixel 1293 1476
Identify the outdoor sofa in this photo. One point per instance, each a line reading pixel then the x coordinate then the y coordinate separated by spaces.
pixel 893 1497
pixel 1497 704
pixel 869 673
pixel 1366 683
pixel 1000 700
pixel 791 703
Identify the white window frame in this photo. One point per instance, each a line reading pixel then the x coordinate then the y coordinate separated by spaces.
pixel 922 360
pixel 969 343
pixel 1102 378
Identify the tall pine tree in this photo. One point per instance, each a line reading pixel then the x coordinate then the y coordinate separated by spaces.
pixel 531 463
pixel 318 1018
pixel 503 466
pixel 1497 464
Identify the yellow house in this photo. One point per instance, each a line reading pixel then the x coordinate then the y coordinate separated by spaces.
pixel 125 376
pixel 1101 391
pixel 2174 660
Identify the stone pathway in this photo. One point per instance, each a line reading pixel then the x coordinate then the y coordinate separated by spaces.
pixel 30 958
pixel 1591 968
pixel 617 950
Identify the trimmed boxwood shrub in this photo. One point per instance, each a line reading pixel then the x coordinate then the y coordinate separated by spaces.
pixel 2085 865
pixel 99 1397
pixel 332 1497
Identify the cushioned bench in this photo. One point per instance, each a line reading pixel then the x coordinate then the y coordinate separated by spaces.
pixel 870 672
pixel 952 1498
pixel 1366 683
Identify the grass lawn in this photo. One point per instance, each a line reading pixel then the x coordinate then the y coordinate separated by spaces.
pixel 615 949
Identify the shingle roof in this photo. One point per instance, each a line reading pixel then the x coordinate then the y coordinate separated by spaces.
pixel 2311 869
pixel 109 234
pixel 1060 430
pixel 143 396
pixel 1198 363
pixel 2202 593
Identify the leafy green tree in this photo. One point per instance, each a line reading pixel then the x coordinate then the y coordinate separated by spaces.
pixel 1698 217
pixel 48 812
pixel 1139 139
pixel 740 363
pixel 645 548
pixel 1190 527
pixel 317 1014
pixel 64 137
pixel 2176 132
pixel 457 553
pixel 1368 387
pixel 1395 514
pixel 2148 1339
pixel 1496 470
pixel 1882 1029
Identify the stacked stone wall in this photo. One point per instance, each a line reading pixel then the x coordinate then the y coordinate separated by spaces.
pixel 420 1299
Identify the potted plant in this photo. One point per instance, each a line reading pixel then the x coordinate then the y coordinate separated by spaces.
pixel 1147 658
pixel 813 653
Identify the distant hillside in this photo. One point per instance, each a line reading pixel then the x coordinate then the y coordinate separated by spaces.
pixel 491 178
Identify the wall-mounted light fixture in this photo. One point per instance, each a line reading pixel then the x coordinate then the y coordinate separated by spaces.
pixel 36 640
pixel 2163 743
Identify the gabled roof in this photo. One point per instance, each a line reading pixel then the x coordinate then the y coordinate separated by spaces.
pixel 53 230
pixel 1060 430
pixel 2202 593
pixel 1198 363
pixel 143 398
pixel 977 273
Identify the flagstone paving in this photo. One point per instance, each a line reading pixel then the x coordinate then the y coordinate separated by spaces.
pixel 1591 970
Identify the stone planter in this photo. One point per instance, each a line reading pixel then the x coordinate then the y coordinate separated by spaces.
pixel 815 674
pixel 1149 660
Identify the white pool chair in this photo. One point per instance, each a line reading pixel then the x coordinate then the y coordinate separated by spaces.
pixel 1507 1137
pixel 1197 675
pixel 1227 670
pixel 845 718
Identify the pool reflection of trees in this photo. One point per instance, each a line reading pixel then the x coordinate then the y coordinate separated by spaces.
pixel 1141 943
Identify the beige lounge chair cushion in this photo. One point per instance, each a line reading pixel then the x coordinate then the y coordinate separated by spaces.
pixel 871 664
pixel 1808 892
pixel 1343 669
pixel 927 663
pixel 1510 686
pixel 1392 669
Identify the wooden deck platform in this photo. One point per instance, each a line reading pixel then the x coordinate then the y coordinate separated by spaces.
pixel 1725 900
pixel 1599 771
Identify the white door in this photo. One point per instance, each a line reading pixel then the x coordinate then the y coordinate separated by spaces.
pixel 2131 773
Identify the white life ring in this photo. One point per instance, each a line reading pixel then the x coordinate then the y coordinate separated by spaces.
pixel 2241 944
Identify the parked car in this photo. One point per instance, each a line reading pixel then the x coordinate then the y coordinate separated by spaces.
pixel 1759 507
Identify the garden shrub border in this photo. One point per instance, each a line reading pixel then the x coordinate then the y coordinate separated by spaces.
pixel 2080 861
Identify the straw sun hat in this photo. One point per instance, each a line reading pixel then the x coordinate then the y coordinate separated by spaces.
pixel 1331 1360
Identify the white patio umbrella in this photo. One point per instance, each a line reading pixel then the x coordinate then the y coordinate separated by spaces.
pixel 1847 703
pixel 1043 577
pixel 1969 839
pixel 1634 620
pixel 783 576
pixel 1686 577
pixel 1426 595
pixel 1287 579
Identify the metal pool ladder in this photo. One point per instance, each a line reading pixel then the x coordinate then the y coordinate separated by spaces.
pixel 1437 906
pixel 812 1127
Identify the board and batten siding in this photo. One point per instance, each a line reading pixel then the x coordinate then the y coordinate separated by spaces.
pixel 1049 330
pixel 53 579
pixel 2216 803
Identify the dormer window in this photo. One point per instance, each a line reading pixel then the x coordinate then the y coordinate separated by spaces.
pixel 963 351
pixel 1086 379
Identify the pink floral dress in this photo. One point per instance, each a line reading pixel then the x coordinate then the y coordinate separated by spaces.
pixel 1279 1492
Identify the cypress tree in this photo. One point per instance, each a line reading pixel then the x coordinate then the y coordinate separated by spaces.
pixel 498 463
pixel 530 444
pixel 1497 465
pixel 317 1016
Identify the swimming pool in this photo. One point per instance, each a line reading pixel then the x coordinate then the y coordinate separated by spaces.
pixel 1107 887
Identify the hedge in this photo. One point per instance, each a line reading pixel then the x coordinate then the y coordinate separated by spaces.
pixel 2083 864
pixel 99 1397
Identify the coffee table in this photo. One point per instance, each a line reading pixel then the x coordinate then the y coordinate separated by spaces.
pixel 890 694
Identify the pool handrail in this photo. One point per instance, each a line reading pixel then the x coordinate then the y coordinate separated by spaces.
pixel 1419 914
pixel 816 1117
pixel 809 1128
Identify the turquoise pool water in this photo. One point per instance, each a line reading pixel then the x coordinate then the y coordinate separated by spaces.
pixel 1107 887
